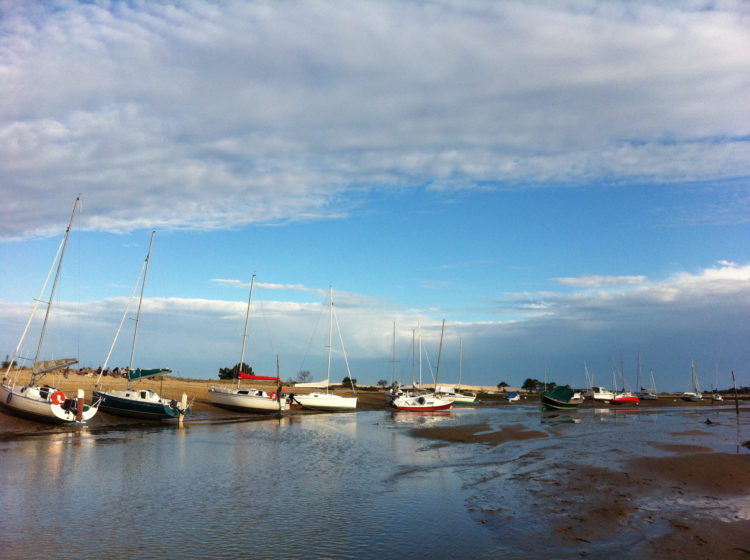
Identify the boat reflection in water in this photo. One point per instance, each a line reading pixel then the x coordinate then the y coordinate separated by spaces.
pixel 332 485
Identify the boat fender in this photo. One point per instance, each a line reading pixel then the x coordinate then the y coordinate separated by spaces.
pixel 58 397
pixel 10 396
pixel 273 396
pixel 173 405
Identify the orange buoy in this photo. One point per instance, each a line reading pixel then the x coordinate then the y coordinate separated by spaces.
pixel 58 397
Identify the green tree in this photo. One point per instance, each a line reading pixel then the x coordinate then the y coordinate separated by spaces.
pixel 349 382
pixel 383 383
pixel 532 384
pixel 502 384
pixel 233 372
pixel 304 376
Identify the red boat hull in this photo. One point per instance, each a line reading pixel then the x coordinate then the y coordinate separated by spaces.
pixel 625 400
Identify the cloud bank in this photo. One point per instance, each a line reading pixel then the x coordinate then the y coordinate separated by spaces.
pixel 700 316
pixel 209 116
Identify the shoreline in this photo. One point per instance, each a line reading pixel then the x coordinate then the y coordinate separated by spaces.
pixel 585 503
pixel 369 398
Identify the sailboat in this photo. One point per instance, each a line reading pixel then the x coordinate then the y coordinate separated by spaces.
pixel 328 401
pixel 427 402
pixel 140 403
pixel 624 396
pixel 45 403
pixel 454 394
pixel 650 393
pixel 250 399
pixel 695 395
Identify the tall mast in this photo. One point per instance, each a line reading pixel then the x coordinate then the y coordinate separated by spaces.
pixel 244 334
pixel 330 342
pixel 412 357
pixel 52 293
pixel 460 361
pixel 394 350
pixel 440 351
pixel 140 302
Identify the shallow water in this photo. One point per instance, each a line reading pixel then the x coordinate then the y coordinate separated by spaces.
pixel 354 485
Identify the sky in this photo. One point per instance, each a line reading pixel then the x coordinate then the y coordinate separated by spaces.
pixel 563 183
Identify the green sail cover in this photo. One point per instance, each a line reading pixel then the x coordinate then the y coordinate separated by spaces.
pixel 143 373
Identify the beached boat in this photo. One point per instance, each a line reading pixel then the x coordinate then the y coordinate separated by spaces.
pixel 513 397
pixel 327 401
pixel 427 402
pixel 650 393
pixel 250 399
pixel 421 403
pixel 601 394
pixel 454 394
pixel 559 398
pixel 45 403
pixel 625 397
pixel 695 395
pixel 139 403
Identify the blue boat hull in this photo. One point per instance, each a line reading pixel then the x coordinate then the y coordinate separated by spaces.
pixel 131 408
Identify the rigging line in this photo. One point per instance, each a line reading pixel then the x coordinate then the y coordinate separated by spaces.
pixel 312 335
pixel 37 301
pixel 265 323
pixel 429 365
pixel 117 334
pixel 343 350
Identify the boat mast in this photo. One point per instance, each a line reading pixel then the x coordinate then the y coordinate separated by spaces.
pixel 244 334
pixel 420 357
pixel 413 357
pixel 460 361
pixel 140 301
pixel 330 341
pixel 394 351
pixel 52 293
pixel 440 351
pixel 639 371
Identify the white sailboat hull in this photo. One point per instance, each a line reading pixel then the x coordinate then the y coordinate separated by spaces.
pixel 249 400
pixel 326 401
pixel 457 398
pixel 36 403
pixel 421 403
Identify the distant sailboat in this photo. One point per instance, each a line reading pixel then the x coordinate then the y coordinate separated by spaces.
pixel 427 402
pixel 45 403
pixel 328 401
pixel 695 395
pixel 250 399
pixel 454 394
pixel 140 403
pixel 646 394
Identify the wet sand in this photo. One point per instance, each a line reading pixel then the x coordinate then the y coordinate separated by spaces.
pixel 588 504
pixel 584 503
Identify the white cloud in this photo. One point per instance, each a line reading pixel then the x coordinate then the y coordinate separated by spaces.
pixel 700 316
pixel 592 281
pixel 195 116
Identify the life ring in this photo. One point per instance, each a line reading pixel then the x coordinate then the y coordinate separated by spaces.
pixel 273 396
pixel 58 397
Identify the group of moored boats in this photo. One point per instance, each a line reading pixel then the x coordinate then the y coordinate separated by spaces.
pixel 48 404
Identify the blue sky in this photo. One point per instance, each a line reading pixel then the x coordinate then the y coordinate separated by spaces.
pixel 561 182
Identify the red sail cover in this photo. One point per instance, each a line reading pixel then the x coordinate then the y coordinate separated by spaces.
pixel 244 375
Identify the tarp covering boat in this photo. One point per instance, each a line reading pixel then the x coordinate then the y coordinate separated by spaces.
pixel 144 373
pixel 244 375
pixel 51 365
